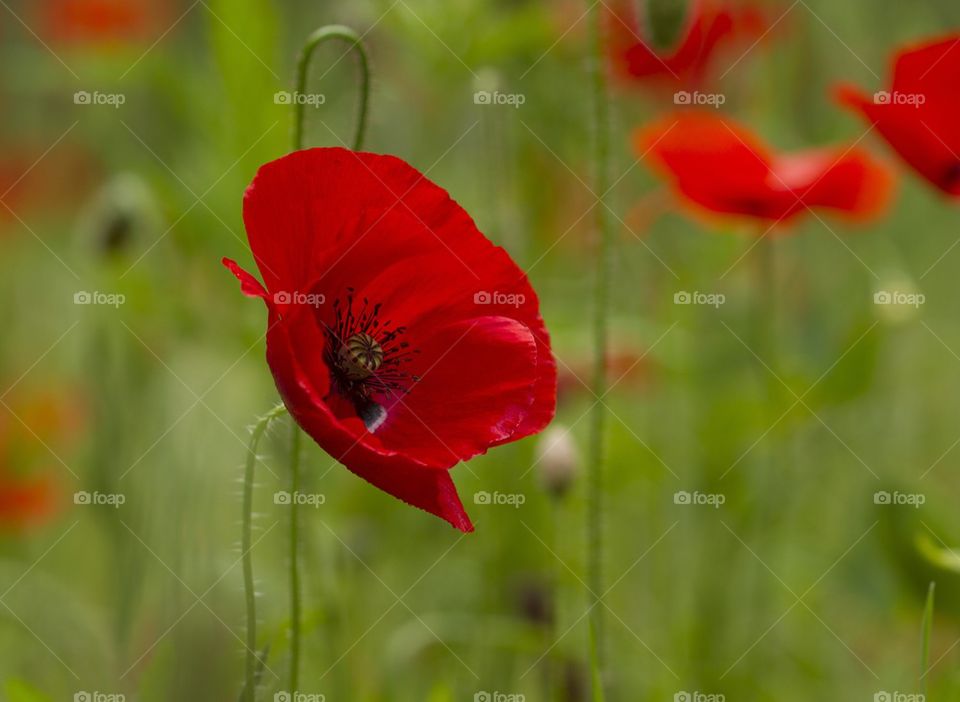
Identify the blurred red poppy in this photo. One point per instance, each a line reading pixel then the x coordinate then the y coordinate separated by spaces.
pixel 711 26
pixel 25 502
pixel 28 493
pixel 920 114
pixel 627 367
pixel 103 21
pixel 28 180
pixel 399 337
pixel 721 167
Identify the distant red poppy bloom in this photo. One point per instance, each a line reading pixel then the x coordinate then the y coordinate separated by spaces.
pixel 920 114
pixel 28 181
pixel 721 167
pixel 24 502
pixel 399 337
pixel 29 495
pixel 100 21
pixel 711 26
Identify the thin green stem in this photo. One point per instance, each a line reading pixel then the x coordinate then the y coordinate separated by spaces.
pixel 249 690
pixel 294 558
pixel 602 275
pixel 926 630
pixel 333 31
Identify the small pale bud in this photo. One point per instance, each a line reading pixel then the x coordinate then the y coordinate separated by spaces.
pixel 123 217
pixel 898 299
pixel 557 460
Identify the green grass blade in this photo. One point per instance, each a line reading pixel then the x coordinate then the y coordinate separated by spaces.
pixel 925 632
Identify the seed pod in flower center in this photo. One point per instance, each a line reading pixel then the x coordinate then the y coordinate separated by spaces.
pixel 360 356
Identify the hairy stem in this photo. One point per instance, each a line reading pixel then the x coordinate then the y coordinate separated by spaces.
pixel 294 558
pixel 601 298
pixel 249 690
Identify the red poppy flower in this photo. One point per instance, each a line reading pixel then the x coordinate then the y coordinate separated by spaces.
pixel 25 502
pixel 399 337
pixel 28 492
pixel 628 368
pixel 28 181
pixel 711 26
pixel 102 20
pixel 723 168
pixel 920 115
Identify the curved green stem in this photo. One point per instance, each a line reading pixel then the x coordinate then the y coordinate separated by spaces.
pixel 601 296
pixel 333 31
pixel 294 558
pixel 249 690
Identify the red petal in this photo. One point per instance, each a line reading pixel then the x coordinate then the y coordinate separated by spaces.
pixel 306 211
pixel 693 148
pixel 474 390
pixel 710 27
pixel 926 134
pixel 723 168
pixel 851 182
pixel 429 488
pixel 249 285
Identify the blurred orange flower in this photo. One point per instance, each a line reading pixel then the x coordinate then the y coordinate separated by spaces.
pixel 28 179
pixel 24 502
pixel 103 21
pixel 29 429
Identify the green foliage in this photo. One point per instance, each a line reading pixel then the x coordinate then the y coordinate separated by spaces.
pixel 20 691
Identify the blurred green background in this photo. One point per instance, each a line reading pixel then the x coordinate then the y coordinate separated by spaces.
pixel 798 587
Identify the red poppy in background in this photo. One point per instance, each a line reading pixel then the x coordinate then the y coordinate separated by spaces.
pixel 99 21
pixel 25 502
pixel 712 26
pixel 920 114
pixel 28 493
pixel 399 337
pixel 628 368
pixel 722 168
pixel 28 180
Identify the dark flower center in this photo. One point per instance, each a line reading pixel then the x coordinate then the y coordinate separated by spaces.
pixel 360 357
pixel 952 175
pixel 366 357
